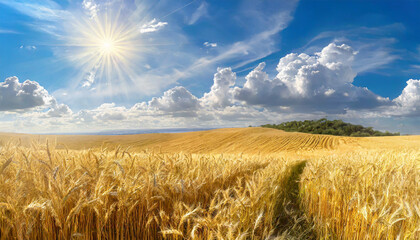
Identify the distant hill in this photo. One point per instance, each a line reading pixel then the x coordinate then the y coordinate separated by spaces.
pixel 250 140
pixel 325 126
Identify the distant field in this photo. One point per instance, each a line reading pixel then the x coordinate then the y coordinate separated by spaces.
pixel 229 140
pixel 238 183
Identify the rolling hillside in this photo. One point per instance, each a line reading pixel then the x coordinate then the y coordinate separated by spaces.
pixel 228 140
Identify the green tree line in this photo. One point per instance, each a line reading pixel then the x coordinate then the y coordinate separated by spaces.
pixel 325 126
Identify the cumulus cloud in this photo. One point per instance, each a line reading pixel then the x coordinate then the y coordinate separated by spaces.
pixel 21 96
pixel 220 94
pixel 177 101
pixel 410 96
pixel 152 26
pixel 321 82
pixel 59 110
pixel 32 99
pixel 105 114
pixel 408 103
pixel 110 112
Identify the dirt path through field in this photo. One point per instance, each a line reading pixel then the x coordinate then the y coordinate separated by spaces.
pixel 289 216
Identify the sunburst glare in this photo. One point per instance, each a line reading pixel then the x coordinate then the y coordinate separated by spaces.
pixel 108 46
pixel 105 46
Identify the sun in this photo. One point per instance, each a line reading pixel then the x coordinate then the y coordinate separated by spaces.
pixel 105 47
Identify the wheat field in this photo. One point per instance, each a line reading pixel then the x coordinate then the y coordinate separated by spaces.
pixel 249 183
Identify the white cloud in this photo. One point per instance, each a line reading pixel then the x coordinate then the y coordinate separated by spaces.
pixel 374 56
pixel 220 94
pixel 91 7
pixel 22 96
pixel 59 110
pixel 199 13
pixel 258 87
pixel 330 91
pixel 177 101
pixel 372 43
pixel 44 14
pixel 415 66
pixel 322 82
pixel 109 112
pixel 152 26
pixel 47 10
pixel 209 44
pixel 29 47
pixel 410 95
pixel 7 31
pixel 31 100
pixel 408 103
pixel 89 79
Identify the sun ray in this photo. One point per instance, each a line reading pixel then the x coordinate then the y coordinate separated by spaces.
pixel 107 46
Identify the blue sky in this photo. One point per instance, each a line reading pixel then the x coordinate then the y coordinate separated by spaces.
pixel 113 64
